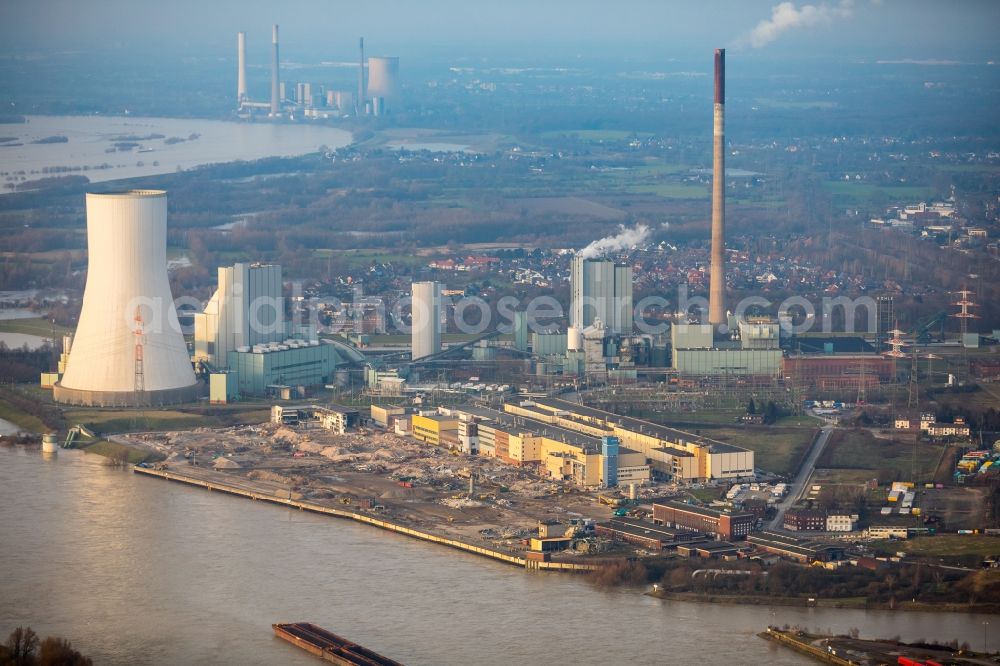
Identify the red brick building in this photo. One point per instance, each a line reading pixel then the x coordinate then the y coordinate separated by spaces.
pixel 724 525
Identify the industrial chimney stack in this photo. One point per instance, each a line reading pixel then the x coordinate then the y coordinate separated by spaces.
pixel 275 82
pixel 362 93
pixel 241 71
pixel 717 278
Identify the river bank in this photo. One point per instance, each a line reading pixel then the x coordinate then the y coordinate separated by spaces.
pixel 852 650
pixel 858 603
pixel 261 492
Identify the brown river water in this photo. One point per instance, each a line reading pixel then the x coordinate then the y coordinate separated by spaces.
pixel 137 570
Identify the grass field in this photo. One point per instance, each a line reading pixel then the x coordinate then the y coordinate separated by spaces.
pixel 852 193
pixel 671 190
pixel 358 259
pixel 777 450
pixel 707 416
pixel 944 545
pixel 594 136
pixel 34 326
pixel 114 450
pixel 860 450
pixel 706 495
pixel 20 419
pixel 128 420
pixel 799 421
pixel 841 477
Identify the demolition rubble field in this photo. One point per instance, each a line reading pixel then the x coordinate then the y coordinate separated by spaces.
pixel 409 482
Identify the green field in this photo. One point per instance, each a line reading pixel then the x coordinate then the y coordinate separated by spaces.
pixel 114 451
pixel 706 495
pixel 706 416
pixel 944 545
pixel 34 326
pixel 130 420
pixel 358 259
pixel 860 450
pixel 799 421
pixel 20 419
pixel 777 450
pixel 671 190
pixel 841 477
pixel 853 193
pixel 594 135
pixel 788 104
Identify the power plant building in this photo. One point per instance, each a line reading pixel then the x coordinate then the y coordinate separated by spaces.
pixel 241 68
pixel 128 349
pixel 426 319
pixel 246 310
pixel 263 369
pixel 243 330
pixel 275 75
pixel 756 351
pixel 600 289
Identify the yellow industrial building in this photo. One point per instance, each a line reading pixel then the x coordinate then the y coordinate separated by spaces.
pixel 434 428
pixel 672 454
pixel 565 441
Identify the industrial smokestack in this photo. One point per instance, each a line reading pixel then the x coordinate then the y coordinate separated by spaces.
pixel 275 80
pixel 717 277
pixel 241 68
pixel 359 104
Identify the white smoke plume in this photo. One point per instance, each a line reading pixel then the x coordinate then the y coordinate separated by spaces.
pixel 786 17
pixel 623 240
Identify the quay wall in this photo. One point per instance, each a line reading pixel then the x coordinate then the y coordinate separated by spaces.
pixel 368 520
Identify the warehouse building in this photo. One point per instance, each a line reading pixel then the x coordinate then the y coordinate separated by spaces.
pixel 557 453
pixel 671 454
pixel 384 415
pixel 722 524
pixel 645 535
pixel 709 549
pixel 794 548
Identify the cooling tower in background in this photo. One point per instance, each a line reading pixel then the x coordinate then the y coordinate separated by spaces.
pixel 383 80
pixel 118 358
pixel 717 275
pixel 241 68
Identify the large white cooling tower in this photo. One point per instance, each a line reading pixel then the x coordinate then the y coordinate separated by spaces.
pixel 117 358
pixel 383 79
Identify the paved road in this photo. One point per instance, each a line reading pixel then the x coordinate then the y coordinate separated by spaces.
pixel 798 485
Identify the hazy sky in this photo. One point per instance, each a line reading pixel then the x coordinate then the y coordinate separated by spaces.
pixel 523 29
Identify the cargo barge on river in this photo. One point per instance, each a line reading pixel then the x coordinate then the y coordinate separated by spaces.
pixel 329 646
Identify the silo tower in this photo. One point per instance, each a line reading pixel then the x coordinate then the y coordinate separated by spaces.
pixel 128 349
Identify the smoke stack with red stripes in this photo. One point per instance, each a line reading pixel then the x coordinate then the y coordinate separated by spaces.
pixel 717 276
